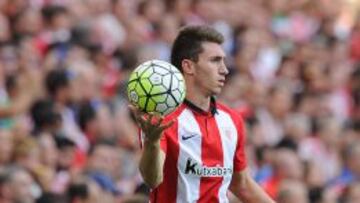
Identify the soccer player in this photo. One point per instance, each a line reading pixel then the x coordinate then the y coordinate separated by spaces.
pixel 196 153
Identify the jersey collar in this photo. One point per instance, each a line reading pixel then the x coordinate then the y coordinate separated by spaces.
pixel 193 107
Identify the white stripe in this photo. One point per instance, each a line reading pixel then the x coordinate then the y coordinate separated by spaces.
pixel 228 134
pixel 188 186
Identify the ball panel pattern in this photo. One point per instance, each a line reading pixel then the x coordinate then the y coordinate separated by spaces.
pixel 156 86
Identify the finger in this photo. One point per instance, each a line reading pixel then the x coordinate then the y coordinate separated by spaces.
pixel 159 121
pixel 139 111
pixel 155 119
pixel 138 116
pixel 135 111
pixel 167 125
pixel 140 122
pixel 150 118
pixel 133 108
pixel 143 122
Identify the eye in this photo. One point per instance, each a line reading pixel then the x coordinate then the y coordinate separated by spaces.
pixel 216 59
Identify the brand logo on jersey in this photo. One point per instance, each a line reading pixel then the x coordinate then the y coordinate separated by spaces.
pixel 194 168
pixel 186 137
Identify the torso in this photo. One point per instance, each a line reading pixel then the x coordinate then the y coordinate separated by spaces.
pixel 200 149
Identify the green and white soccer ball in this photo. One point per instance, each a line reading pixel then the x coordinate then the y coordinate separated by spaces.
pixel 156 86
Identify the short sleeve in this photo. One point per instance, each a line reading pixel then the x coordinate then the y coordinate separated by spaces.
pixel 240 158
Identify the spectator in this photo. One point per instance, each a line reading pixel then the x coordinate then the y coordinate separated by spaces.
pixel 351 169
pixel 292 192
pixel 51 198
pixel 84 191
pixel 17 185
pixel 286 166
pixel 6 147
pixel 352 193
pixel 58 87
pixel 46 118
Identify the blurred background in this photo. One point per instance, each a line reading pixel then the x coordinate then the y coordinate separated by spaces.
pixel 65 130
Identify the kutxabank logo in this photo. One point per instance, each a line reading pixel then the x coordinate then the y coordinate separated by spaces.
pixel 194 168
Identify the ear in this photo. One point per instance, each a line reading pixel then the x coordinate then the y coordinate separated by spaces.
pixel 188 66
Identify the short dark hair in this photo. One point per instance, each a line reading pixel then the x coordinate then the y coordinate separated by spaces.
pixel 51 197
pixel 43 113
pixel 86 114
pixel 52 11
pixel 63 142
pixel 8 173
pixel 78 190
pixel 11 82
pixel 107 142
pixel 188 43
pixel 55 80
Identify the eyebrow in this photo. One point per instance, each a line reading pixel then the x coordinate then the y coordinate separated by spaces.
pixel 217 58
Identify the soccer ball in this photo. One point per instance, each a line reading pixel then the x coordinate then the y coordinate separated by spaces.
pixel 156 86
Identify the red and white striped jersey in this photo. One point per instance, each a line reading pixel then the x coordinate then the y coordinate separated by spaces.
pixel 203 150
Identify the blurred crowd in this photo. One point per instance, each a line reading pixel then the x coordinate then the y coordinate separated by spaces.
pixel 66 134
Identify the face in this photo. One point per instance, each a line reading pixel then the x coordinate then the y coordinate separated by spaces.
pixel 66 156
pixel 295 197
pixel 6 146
pixel 154 10
pixel 288 165
pixel 50 155
pixel 30 22
pixel 4 28
pixel 354 161
pixel 65 94
pixel 354 193
pixel 281 102
pixel 209 71
pixel 103 159
pixel 94 193
pixel 21 187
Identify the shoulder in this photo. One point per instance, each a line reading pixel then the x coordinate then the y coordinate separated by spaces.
pixel 176 113
pixel 223 107
pixel 235 115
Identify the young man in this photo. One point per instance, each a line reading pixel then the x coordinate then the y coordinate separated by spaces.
pixel 197 152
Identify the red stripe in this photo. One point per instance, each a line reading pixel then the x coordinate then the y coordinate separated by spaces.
pixel 211 155
pixel 167 190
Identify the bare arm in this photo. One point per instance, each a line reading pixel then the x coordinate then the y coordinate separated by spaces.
pixel 247 190
pixel 151 164
pixel 152 158
pixel 7 112
pixel 19 106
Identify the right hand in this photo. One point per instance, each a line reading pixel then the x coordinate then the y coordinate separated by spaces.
pixel 150 124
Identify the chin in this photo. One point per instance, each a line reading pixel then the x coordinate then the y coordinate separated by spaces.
pixel 216 91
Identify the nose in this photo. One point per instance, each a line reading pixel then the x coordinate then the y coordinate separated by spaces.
pixel 223 69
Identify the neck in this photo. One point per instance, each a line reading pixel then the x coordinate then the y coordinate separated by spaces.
pixel 198 99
